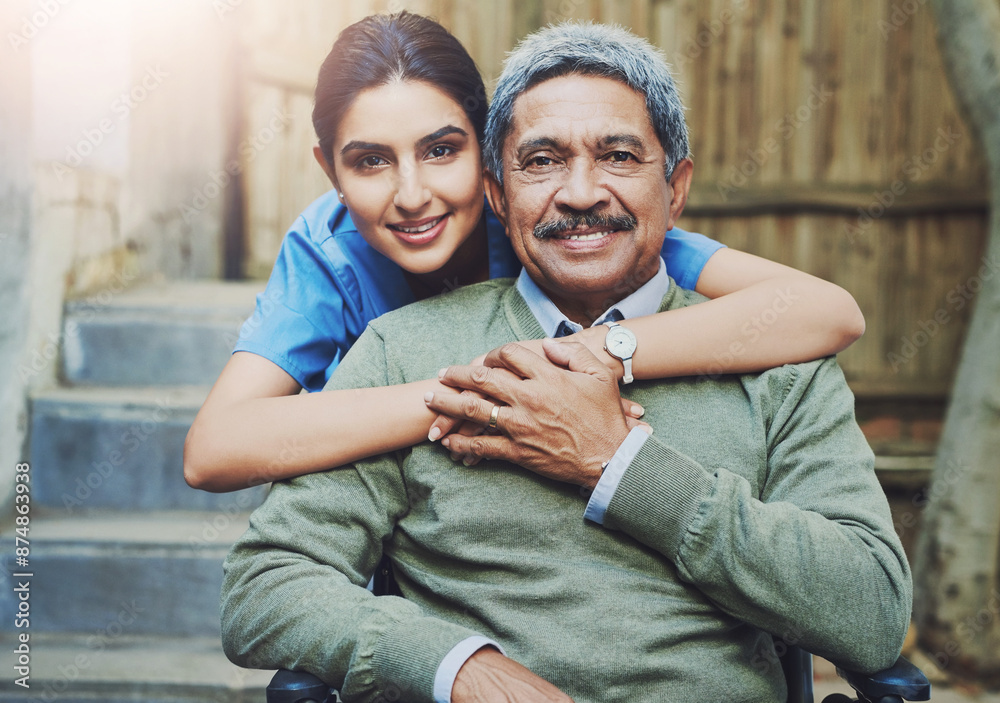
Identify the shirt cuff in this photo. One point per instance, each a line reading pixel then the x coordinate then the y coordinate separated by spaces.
pixel 597 506
pixel 447 670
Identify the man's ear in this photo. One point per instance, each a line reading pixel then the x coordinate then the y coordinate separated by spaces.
pixel 325 165
pixel 680 183
pixel 496 197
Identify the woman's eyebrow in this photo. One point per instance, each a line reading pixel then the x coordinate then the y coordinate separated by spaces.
pixel 357 145
pixel 364 146
pixel 443 132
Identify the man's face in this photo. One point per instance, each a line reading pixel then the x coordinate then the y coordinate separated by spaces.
pixel 585 200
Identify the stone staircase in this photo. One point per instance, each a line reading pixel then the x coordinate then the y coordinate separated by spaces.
pixel 127 559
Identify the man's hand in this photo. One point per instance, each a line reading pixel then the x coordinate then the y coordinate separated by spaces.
pixel 490 677
pixel 558 422
pixel 444 425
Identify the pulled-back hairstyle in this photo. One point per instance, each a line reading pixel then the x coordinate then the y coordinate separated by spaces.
pixel 382 49
pixel 589 49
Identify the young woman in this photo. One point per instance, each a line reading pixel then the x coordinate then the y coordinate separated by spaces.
pixel 400 109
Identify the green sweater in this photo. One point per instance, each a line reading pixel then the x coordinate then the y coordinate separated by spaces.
pixel 752 510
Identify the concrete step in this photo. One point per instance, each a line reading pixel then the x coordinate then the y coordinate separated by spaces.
pixel 88 669
pixel 122 574
pixel 167 333
pixel 117 448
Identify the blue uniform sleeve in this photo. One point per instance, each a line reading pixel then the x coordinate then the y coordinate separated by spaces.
pixel 303 321
pixel 686 254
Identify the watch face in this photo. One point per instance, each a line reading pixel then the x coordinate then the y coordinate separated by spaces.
pixel 620 342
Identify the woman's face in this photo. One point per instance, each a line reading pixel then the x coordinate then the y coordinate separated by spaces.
pixel 408 166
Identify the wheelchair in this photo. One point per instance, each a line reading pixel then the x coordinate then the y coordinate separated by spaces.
pixel 901 682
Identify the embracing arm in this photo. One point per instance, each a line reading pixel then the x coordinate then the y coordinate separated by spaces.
pixel 762 314
pixel 255 427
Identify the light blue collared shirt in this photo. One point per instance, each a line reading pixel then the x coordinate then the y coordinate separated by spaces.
pixel 645 301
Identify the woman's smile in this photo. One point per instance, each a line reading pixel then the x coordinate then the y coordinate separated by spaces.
pixel 421 232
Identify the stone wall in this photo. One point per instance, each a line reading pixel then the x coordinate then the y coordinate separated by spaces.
pixel 15 223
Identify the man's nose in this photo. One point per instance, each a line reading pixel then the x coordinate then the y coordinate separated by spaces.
pixel 583 186
pixel 412 192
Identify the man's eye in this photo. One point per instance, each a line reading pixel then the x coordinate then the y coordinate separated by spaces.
pixel 540 161
pixel 620 156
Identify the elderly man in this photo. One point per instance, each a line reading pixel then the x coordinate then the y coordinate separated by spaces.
pixel 610 565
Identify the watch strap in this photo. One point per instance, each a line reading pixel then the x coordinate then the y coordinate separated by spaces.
pixel 626 361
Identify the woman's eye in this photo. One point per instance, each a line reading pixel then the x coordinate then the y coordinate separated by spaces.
pixel 441 151
pixel 372 161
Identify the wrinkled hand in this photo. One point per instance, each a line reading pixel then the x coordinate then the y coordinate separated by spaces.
pixel 490 677
pixel 444 425
pixel 561 419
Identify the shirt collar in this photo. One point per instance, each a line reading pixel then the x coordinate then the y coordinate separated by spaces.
pixel 645 301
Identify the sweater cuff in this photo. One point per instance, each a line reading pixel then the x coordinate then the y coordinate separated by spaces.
pixel 658 497
pixel 407 657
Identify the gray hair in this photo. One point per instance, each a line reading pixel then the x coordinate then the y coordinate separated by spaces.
pixel 589 49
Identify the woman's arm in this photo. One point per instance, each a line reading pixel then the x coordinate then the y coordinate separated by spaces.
pixel 255 427
pixel 762 314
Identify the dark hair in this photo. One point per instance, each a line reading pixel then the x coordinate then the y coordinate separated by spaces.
pixel 382 49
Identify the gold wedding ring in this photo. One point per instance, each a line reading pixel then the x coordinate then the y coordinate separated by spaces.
pixel 493 416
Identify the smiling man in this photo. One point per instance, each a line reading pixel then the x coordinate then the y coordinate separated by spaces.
pixel 581 561
pixel 585 199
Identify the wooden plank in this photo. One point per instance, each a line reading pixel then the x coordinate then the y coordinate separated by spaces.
pixel 799 164
pixel 663 33
pixel 899 389
pixel 706 200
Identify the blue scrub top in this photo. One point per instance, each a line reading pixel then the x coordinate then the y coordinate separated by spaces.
pixel 328 284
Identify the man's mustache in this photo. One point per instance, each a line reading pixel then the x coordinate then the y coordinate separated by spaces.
pixel 558 227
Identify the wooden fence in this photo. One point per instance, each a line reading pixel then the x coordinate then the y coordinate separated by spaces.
pixel 824 135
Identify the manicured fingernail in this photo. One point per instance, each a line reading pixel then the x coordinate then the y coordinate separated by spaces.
pixel 638 411
pixel 434 433
pixel 445 442
pixel 467 461
pixel 442 372
pixel 428 396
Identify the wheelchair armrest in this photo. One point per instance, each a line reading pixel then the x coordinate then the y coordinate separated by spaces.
pixel 298 687
pixel 902 679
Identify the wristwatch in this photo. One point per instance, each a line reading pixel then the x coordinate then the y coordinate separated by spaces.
pixel 620 343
